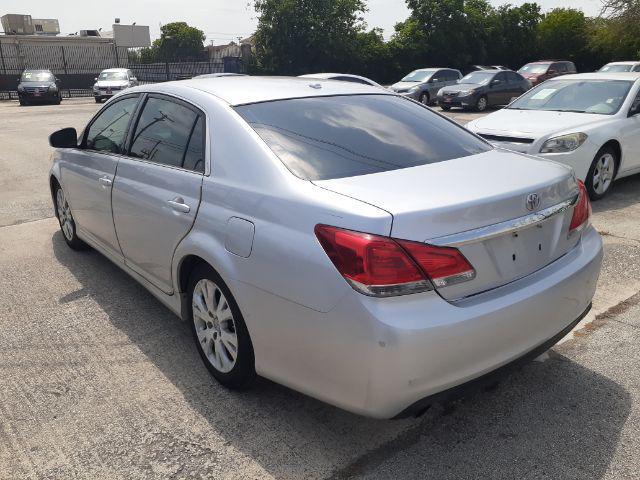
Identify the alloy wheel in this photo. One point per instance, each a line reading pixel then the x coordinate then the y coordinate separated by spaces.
pixel 215 326
pixel 603 173
pixel 64 215
pixel 482 104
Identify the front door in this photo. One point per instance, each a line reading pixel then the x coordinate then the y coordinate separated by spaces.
pixel 87 173
pixel 156 192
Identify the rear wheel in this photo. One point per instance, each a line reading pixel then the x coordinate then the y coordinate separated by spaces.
pixel 219 331
pixel 67 224
pixel 98 100
pixel 602 173
pixel 424 99
pixel 446 108
pixel 482 104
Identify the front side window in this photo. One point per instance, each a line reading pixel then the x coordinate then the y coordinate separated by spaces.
pixel 322 138
pixel 108 130
pixel 163 132
pixel 603 97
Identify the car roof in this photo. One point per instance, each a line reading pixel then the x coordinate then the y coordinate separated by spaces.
pixel 632 76
pixel 250 89
pixel 115 70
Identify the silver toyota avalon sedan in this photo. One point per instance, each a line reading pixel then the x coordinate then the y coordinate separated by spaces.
pixel 342 240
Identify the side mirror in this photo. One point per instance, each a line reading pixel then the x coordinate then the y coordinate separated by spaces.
pixel 495 82
pixel 551 71
pixel 635 109
pixel 65 138
pixel 434 80
pixel 95 79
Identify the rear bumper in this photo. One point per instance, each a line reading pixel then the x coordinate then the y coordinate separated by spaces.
pixel 488 378
pixel 380 357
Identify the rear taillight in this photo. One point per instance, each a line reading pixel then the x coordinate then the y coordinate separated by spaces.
pixel 444 265
pixel 382 267
pixel 582 210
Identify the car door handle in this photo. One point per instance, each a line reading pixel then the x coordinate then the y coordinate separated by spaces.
pixel 178 205
pixel 105 181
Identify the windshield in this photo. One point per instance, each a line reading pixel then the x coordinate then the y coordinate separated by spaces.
pixel 616 68
pixel 535 68
pixel 323 138
pixel 37 76
pixel 479 78
pixel 113 76
pixel 603 97
pixel 418 76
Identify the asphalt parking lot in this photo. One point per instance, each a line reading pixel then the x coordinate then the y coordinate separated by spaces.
pixel 98 380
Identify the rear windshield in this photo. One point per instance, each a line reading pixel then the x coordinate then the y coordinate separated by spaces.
pixel 322 138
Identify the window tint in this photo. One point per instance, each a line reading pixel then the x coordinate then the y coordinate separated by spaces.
pixel 163 132
pixel 194 156
pixel 342 136
pixel 107 132
pixel 502 77
pixel 514 77
pixel 635 106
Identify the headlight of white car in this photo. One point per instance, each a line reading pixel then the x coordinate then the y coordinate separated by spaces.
pixel 95 88
pixel 563 143
pixel 20 88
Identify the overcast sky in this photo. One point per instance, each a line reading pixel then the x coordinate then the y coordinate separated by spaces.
pixel 221 20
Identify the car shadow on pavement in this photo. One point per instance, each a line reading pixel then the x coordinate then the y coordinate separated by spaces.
pixel 624 193
pixel 553 419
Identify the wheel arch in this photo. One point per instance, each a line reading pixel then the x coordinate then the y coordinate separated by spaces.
pixel 54 183
pixel 615 144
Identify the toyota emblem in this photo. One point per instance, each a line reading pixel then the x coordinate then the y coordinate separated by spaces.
pixel 533 201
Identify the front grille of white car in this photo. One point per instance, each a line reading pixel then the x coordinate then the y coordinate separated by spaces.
pixel 501 138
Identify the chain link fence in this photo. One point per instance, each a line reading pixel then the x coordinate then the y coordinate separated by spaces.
pixel 78 65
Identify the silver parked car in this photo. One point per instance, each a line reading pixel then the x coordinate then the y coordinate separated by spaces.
pixel 424 84
pixel 112 81
pixel 334 237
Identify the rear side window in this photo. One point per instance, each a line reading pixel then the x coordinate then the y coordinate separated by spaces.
pixel 107 132
pixel 163 132
pixel 514 77
pixel 323 138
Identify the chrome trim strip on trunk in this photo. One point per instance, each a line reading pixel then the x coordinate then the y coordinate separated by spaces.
pixel 503 228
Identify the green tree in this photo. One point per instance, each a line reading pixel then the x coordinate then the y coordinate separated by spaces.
pixel 178 42
pixel 302 36
pixel 564 33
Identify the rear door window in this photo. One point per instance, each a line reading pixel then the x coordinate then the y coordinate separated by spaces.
pixel 107 132
pixel 163 132
pixel 322 138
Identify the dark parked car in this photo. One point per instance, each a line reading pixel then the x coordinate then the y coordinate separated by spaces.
pixel 482 89
pixel 538 72
pixel 39 86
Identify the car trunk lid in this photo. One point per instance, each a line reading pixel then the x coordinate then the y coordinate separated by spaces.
pixel 481 204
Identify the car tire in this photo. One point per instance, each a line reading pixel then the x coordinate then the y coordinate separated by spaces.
pixel 66 221
pixel 98 100
pixel 482 104
pixel 445 108
pixel 57 101
pixel 602 173
pixel 216 324
pixel 22 102
pixel 425 99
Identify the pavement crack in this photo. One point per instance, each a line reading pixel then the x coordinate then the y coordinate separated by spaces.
pixel 605 233
pixel 21 222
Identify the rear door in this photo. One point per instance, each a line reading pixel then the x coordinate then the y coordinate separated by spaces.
pixel 156 192
pixel 498 90
pixel 88 173
pixel 630 133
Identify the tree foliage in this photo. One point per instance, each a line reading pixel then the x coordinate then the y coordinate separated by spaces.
pixel 178 42
pixel 305 36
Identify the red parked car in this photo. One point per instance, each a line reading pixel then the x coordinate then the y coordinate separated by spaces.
pixel 538 72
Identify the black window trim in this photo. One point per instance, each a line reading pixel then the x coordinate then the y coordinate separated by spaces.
pixel 85 132
pixel 180 101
